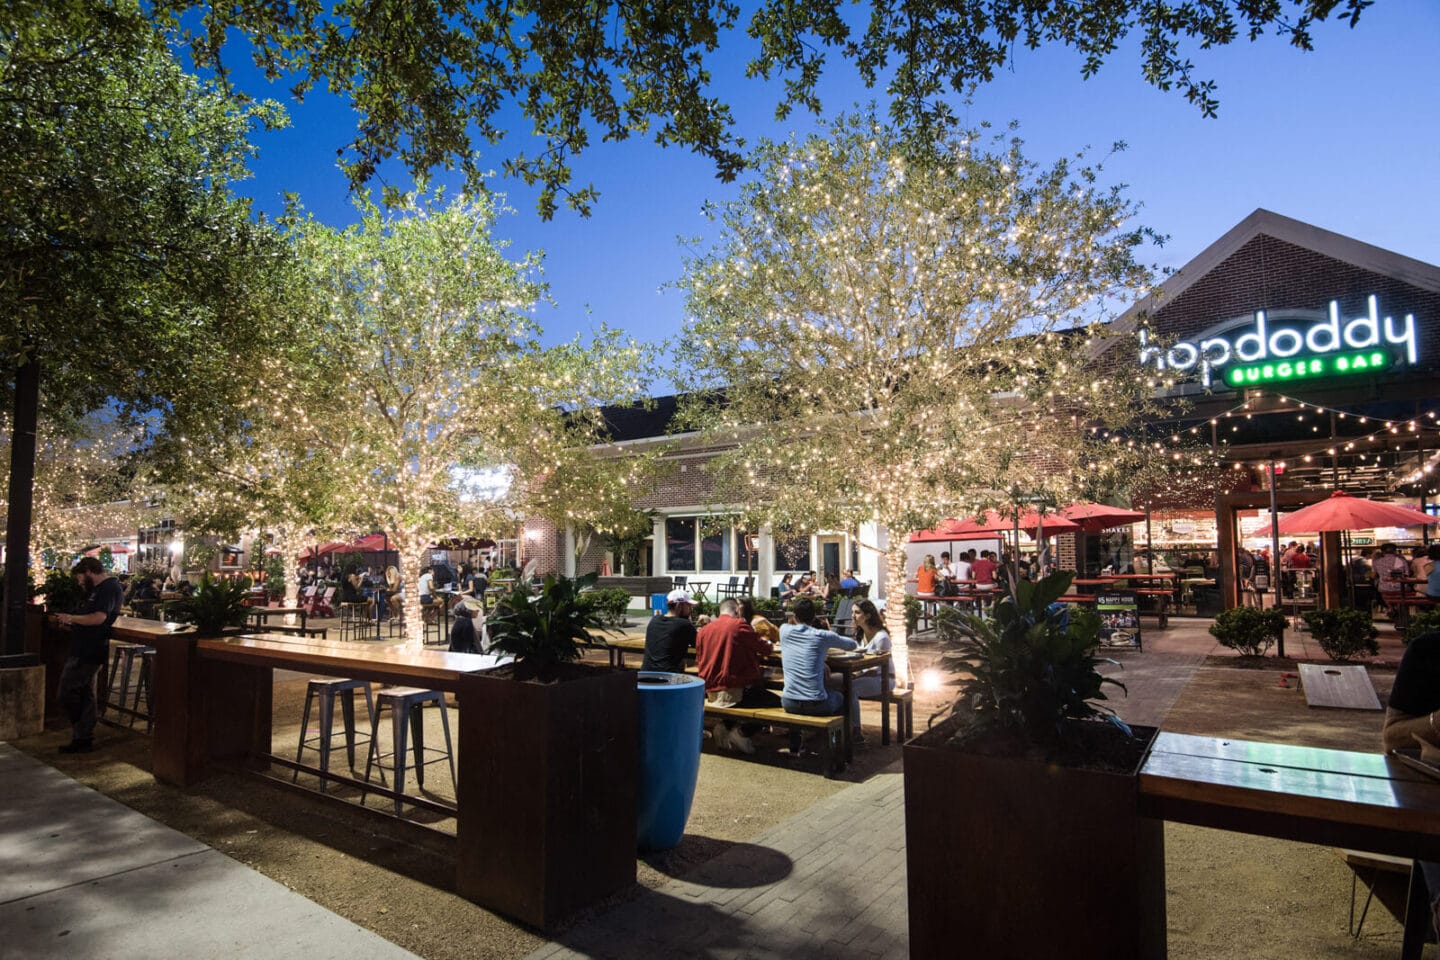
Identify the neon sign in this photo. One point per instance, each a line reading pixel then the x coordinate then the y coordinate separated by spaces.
pixel 1286 371
pixel 1264 342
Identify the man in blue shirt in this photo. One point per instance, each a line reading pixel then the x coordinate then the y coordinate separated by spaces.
pixel 803 647
pixel 89 645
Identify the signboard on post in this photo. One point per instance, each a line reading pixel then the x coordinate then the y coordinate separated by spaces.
pixel 1119 618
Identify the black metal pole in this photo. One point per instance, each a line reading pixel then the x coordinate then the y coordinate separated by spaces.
pixel 1275 580
pixel 17 522
pixel 381 599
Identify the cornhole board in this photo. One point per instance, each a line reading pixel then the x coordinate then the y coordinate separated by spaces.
pixel 1332 685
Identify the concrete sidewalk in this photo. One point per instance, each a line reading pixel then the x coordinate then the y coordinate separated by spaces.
pixel 828 884
pixel 84 876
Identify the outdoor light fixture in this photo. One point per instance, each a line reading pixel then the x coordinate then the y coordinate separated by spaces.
pixel 930 681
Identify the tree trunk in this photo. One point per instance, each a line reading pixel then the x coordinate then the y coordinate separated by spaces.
pixel 413 561
pixel 895 610
pixel 291 543
pixel 22 501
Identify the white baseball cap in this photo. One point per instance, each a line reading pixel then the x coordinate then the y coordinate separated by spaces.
pixel 678 595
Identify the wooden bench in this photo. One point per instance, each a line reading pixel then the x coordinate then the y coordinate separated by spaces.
pixel 904 701
pixel 1384 876
pixel 777 716
pixel 1161 599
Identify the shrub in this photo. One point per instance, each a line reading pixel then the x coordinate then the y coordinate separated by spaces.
pixel 1422 621
pixel 610 605
pixel 770 608
pixel 950 624
pixel 912 614
pixel 1342 634
pixel 1247 629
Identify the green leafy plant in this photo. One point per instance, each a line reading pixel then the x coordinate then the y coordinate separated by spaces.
pixel 950 624
pixel 1248 630
pixel 913 609
pixel 545 629
pixel 1422 622
pixel 216 604
pixel 1343 634
pixel 610 605
pixel 62 593
pixel 1034 666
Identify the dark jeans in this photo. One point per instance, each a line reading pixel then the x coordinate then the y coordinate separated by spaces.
pixel 833 705
pixel 77 696
pixel 756 696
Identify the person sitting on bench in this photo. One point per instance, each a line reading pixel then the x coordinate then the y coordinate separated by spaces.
pixel 730 656
pixel 803 648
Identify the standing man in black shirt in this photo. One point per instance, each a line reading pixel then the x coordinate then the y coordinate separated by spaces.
pixel 89 645
pixel 668 639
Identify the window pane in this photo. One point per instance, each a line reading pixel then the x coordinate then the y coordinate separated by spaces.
pixel 680 543
pixel 792 554
pixel 715 551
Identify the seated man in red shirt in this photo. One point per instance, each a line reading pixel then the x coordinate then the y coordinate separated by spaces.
pixel 729 655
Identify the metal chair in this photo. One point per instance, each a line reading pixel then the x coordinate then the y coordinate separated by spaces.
pixel 407 706
pixel 326 690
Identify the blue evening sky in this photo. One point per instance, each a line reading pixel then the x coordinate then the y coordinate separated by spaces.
pixel 1346 138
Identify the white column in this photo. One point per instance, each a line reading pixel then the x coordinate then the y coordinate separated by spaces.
pixel 872 564
pixel 568 563
pixel 661 561
pixel 764 563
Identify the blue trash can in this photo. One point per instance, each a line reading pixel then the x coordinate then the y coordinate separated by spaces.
pixel 672 718
pixel 657 605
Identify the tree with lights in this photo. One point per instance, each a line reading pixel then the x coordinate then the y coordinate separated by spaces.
pixel 127 259
pixel 891 333
pixel 440 384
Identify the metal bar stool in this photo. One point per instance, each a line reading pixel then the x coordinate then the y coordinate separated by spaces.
pixel 122 661
pixel 327 689
pixel 143 688
pixel 354 620
pixel 407 704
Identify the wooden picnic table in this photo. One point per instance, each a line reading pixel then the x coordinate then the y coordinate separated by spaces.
pixel 1360 801
pixel 262 615
pixel 842 662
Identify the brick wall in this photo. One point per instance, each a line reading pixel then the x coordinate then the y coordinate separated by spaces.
pixel 543 542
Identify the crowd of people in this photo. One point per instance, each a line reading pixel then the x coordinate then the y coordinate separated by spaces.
pixel 824 589
pixel 975 570
pixel 730 652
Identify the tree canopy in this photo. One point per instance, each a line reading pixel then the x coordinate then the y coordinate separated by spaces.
pixel 431 81
pixel 126 257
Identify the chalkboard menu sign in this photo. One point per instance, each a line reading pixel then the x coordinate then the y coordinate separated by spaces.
pixel 1119 618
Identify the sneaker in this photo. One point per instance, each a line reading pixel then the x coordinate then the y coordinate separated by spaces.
pixel 720 736
pixel 738 741
pixel 78 746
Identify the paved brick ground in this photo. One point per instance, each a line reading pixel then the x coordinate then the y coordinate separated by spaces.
pixel 797 892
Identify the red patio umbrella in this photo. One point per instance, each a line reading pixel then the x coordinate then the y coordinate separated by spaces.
pixel 1094 517
pixel 320 551
pixel 992 523
pixel 371 543
pixel 1344 512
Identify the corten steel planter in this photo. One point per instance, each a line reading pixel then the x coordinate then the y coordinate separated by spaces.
pixel 1012 858
pixel 551 770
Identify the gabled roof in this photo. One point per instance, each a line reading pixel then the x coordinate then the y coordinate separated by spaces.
pixel 1268 223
